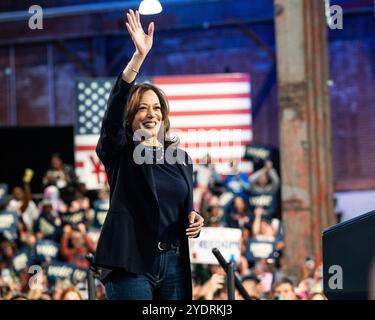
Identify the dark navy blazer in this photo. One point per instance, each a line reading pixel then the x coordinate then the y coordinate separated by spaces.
pixel 128 239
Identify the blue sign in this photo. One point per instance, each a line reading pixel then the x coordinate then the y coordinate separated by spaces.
pixel 100 208
pixel 8 224
pixel 257 249
pixel 73 218
pixel 62 270
pixel 264 200
pixel 45 250
pixel 48 227
pixel 21 260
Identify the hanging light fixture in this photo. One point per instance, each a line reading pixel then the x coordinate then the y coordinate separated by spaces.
pixel 150 7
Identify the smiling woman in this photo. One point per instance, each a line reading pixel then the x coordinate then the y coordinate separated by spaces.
pixel 148 110
pixel 143 247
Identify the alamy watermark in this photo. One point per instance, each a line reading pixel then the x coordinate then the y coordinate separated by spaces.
pixel 208 146
pixel 334 16
pixel 336 280
pixel 36 280
pixel 36 20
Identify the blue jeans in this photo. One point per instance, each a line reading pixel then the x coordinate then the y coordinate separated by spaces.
pixel 166 281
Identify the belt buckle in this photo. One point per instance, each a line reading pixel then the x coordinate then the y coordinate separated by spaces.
pixel 160 248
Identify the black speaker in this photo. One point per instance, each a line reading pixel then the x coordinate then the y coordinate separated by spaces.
pixel 348 258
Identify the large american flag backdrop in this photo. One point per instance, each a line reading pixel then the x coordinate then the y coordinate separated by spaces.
pixel 211 114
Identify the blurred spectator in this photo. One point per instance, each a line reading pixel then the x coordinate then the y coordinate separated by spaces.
pixel 265 179
pixel 318 296
pixel 206 180
pixel 239 217
pixel 212 288
pixel 253 287
pixel 52 194
pixel 48 226
pixel 263 227
pixel 59 174
pixel 236 181
pixel 284 290
pixel 7 249
pixel 71 293
pixel 263 272
pixel 75 245
pixel 23 204
pixel 214 214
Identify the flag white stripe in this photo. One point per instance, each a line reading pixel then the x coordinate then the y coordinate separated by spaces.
pixel 210 120
pixel 202 136
pixel 210 104
pixel 244 166
pixel 205 88
pixel 217 152
pixel 86 139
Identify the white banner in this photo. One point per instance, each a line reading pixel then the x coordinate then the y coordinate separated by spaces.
pixel 227 240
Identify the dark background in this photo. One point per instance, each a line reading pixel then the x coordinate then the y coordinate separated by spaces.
pixel 31 147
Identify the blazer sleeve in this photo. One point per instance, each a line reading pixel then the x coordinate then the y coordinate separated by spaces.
pixel 112 134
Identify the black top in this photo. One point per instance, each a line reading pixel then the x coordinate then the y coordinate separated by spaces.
pixel 172 191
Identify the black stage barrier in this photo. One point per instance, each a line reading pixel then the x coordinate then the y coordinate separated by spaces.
pixel 348 258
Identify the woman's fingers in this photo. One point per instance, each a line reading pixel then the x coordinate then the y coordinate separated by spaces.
pixel 132 20
pixel 129 23
pixel 151 29
pixel 129 29
pixel 193 229
pixel 192 235
pixel 196 224
pixel 138 19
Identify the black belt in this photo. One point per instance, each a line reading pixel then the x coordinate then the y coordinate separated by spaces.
pixel 162 246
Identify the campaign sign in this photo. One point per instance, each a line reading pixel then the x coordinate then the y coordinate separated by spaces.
pixel 100 212
pixel 256 152
pixel 20 261
pixel 257 249
pixel 73 218
pixel 45 249
pixel 47 227
pixel 265 200
pixel 8 223
pixel 62 270
pixel 227 240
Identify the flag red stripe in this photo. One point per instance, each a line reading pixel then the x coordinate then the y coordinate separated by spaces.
pixel 85 148
pixel 209 96
pixel 208 112
pixel 220 78
pixel 79 164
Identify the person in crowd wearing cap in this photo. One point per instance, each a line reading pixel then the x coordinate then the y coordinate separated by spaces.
pixel 143 244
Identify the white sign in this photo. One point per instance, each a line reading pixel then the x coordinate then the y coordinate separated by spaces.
pixel 227 240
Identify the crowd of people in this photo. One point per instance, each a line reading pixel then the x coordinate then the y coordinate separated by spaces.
pixel 44 244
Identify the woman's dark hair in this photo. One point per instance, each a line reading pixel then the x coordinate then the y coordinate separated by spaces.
pixel 133 105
